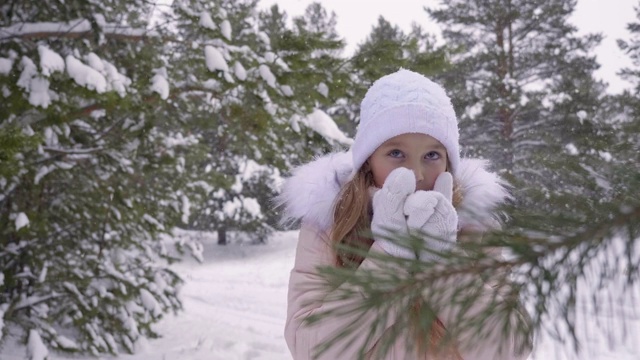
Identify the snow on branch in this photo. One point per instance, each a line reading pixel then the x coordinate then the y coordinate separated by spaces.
pixel 5 65
pixel 215 59
pixel 36 350
pixel 71 151
pixel 85 75
pixel 324 125
pixel 72 29
pixel 33 300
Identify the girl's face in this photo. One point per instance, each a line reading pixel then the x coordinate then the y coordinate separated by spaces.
pixel 420 153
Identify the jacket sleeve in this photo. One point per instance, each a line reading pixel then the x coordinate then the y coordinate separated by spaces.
pixel 306 296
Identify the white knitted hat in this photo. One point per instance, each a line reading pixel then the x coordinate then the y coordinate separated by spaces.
pixel 405 102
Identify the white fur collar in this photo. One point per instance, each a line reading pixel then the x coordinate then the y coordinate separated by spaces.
pixel 310 193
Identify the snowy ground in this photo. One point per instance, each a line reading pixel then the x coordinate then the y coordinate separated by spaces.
pixel 235 307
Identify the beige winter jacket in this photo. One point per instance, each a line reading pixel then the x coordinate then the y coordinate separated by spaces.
pixel 309 195
pixel 306 296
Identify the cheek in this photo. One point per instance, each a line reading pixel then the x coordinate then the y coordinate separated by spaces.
pixel 430 182
pixel 380 176
pixel 430 175
pixel 380 173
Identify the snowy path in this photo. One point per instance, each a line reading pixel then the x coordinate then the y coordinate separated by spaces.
pixel 234 305
pixel 235 308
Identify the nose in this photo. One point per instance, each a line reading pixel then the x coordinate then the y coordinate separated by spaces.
pixel 417 172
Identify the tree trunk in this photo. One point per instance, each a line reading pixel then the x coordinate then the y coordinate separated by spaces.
pixel 222 236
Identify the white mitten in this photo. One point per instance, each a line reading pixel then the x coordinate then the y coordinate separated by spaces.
pixel 431 215
pixel 389 221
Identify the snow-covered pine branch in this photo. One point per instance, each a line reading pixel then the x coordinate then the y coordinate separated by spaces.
pixel 73 29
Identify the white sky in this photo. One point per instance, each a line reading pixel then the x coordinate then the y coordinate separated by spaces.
pixel 357 17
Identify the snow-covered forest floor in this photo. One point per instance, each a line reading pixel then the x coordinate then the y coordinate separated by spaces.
pixel 235 308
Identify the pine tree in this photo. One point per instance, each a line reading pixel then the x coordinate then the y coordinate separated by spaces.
pixel 80 213
pixel 121 122
pixel 522 81
pixel 238 95
pixel 630 112
pixel 529 102
pixel 209 65
pixel 387 49
pixel 313 50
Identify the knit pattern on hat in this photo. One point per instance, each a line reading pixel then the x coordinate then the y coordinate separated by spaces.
pixel 405 102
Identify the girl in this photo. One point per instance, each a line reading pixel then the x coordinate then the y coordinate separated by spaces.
pixel 402 176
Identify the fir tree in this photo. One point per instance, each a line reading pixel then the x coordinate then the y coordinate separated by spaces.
pixel 79 211
pixel 387 49
pixel 239 95
pixel 313 50
pixel 222 97
pixel 523 84
pixel 114 131
pixel 629 121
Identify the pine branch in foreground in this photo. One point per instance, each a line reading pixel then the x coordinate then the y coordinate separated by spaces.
pixel 545 271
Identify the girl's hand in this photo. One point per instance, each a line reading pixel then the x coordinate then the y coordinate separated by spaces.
pixel 432 217
pixel 389 222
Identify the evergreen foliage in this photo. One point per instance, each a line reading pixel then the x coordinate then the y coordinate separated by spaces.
pixel 523 85
pixel 524 88
pixel 387 49
pixel 79 210
pixel 120 121
pixel 125 119
pixel 628 122
pixel 313 50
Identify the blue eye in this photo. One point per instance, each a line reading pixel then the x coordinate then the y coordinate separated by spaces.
pixel 432 155
pixel 395 153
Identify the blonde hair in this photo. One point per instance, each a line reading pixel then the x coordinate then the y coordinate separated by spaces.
pixel 350 237
pixel 352 220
